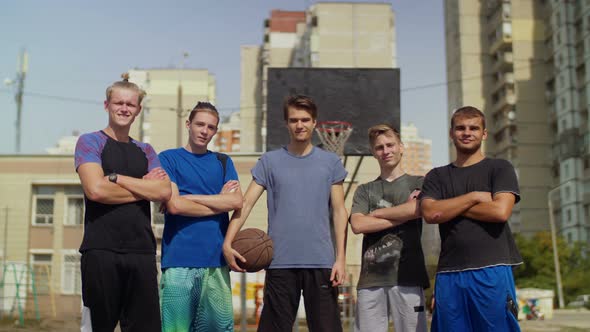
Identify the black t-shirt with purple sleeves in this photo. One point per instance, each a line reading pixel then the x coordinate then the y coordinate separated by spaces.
pixel 468 243
pixel 124 228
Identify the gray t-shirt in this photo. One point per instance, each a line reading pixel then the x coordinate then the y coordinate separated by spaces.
pixel 391 257
pixel 298 198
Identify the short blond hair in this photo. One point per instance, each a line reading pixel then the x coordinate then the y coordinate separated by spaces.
pixel 125 84
pixel 382 129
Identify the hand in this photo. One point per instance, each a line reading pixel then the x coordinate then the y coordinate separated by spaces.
pixel 157 173
pixel 338 276
pixel 413 195
pixel 230 186
pixel 230 255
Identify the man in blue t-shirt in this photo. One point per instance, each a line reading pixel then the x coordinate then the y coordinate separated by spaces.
pixel 120 176
pixel 471 200
pixel 196 291
pixel 302 183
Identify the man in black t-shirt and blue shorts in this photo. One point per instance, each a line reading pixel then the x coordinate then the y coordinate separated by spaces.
pixel 120 176
pixel 393 274
pixel 471 199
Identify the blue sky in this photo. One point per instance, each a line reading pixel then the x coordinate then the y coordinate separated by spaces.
pixel 77 48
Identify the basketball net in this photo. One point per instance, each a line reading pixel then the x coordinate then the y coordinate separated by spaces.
pixel 334 135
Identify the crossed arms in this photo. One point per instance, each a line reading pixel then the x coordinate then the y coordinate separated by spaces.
pixel 229 199
pixel 385 218
pixel 154 186
pixel 476 205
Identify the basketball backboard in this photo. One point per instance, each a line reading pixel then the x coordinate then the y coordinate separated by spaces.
pixel 363 97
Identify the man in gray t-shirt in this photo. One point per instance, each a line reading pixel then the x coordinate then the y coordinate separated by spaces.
pixel 302 183
pixel 393 273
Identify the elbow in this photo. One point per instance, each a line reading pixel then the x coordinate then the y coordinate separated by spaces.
pixel 355 229
pixel 355 226
pixel 164 194
pixel 172 207
pixel 502 216
pixel 95 194
pixel 237 203
pixel 430 217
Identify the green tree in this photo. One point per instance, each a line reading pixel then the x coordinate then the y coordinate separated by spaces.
pixel 538 270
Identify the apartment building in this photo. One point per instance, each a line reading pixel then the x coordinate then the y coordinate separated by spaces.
pixel 496 61
pixel 171 94
pixel 567 56
pixel 326 35
pixel 41 229
pixel 417 158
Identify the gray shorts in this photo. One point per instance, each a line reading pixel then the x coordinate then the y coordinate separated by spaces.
pixel 404 305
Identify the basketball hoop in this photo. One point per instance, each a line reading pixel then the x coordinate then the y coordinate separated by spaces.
pixel 334 135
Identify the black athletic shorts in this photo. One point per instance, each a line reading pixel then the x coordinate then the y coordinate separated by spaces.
pixel 121 287
pixel 282 291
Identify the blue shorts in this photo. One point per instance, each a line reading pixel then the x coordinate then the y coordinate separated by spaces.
pixel 475 300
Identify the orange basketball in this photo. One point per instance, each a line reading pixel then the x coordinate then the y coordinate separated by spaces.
pixel 255 246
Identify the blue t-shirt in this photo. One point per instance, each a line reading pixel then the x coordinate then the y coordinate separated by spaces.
pixel 195 241
pixel 298 198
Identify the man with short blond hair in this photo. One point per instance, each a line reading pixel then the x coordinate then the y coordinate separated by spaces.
pixel 120 176
pixel 386 212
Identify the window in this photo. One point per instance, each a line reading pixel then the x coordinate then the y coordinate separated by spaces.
pixel 71 279
pixel 74 210
pixel 41 269
pixel 43 207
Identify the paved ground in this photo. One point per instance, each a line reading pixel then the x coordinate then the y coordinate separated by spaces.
pixel 563 321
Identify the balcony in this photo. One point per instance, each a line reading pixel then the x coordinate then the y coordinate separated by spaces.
pixel 503 79
pixel 502 123
pixel 509 99
pixel 502 42
pixel 504 62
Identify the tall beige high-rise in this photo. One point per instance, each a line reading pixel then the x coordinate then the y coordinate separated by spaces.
pixel 338 35
pixel 162 122
pixel 496 62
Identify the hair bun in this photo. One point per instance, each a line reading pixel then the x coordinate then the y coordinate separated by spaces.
pixel 125 77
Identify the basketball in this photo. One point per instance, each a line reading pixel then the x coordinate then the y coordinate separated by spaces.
pixel 255 246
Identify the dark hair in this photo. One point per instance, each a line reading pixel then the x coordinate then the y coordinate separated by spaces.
pixel 125 84
pixel 468 112
pixel 300 102
pixel 203 106
pixel 382 129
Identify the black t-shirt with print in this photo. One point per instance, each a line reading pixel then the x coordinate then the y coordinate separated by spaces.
pixel 392 257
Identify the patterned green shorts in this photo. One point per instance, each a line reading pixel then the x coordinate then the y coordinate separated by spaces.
pixel 196 299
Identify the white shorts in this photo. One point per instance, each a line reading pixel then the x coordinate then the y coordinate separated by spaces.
pixel 405 305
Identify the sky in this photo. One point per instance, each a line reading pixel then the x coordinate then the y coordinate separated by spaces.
pixel 77 48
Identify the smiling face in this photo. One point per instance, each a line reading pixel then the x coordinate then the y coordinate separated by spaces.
pixel 123 106
pixel 201 129
pixel 300 124
pixel 388 150
pixel 467 134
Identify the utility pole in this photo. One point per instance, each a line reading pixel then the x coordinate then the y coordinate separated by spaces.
pixel 22 68
pixel 5 249
pixel 179 110
pixel 179 115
